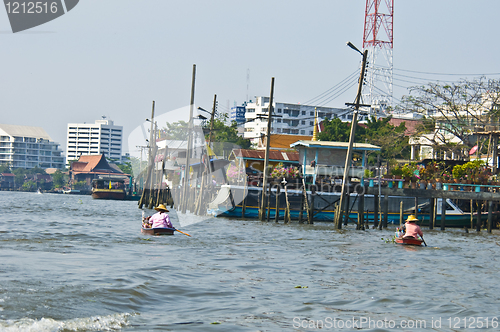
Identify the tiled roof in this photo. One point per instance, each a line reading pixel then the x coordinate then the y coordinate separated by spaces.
pixel 93 164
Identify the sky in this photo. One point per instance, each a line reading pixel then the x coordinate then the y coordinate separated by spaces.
pixel 113 58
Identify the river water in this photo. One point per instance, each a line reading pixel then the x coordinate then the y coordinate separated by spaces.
pixel 71 263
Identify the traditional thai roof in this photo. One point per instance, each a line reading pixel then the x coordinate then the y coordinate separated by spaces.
pixel 274 155
pixel 335 145
pixel 93 164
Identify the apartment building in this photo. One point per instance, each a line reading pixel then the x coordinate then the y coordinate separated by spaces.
pixel 28 147
pixel 288 119
pixel 101 137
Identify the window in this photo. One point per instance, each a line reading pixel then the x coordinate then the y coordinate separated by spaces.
pixel 303 122
pixel 303 112
pixel 250 110
pixel 311 132
pixel 302 132
pixel 279 110
pixel 311 113
pixel 286 111
pixel 311 123
pixel 279 120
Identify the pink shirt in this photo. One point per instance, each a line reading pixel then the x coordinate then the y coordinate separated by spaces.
pixel 413 229
pixel 160 220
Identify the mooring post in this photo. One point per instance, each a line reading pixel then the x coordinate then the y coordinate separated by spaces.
pixel 375 210
pixel 401 214
pixel 347 210
pixel 416 207
pixel 244 203
pixel 277 214
pixel 361 211
pixel 268 197
pixel 386 210
pixel 311 206
pixel 432 212
pixel 287 209
pixel 490 216
pixel 479 221
pixel 301 209
pixel 443 213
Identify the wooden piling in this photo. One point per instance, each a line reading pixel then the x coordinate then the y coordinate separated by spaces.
pixel 479 221
pixel 386 211
pixel 301 209
pixel 490 216
pixel 287 208
pixel 310 215
pixel 244 203
pixel 443 213
pixel 432 212
pixel 416 207
pixel 268 211
pixel 306 201
pixel 401 214
pixel 375 210
pixel 361 212
pixel 277 214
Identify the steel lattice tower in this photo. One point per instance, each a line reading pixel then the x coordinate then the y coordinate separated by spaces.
pixel 378 39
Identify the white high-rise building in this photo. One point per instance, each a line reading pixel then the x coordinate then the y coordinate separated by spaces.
pixel 28 147
pixel 101 137
pixel 288 119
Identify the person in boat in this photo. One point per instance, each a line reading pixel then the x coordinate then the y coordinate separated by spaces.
pixel 411 229
pixel 161 218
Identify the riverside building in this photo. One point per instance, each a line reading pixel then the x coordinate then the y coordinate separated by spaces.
pixel 28 147
pixel 101 137
pixel 288 119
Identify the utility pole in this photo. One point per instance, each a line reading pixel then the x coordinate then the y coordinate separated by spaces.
pixel 266 158
pixel 345 183
pixel 185 184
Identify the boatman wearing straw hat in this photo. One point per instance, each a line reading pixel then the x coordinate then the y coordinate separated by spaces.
pixel 411 229
pixel 161 218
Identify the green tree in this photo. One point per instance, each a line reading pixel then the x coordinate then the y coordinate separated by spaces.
pixel 29 185
pixel 176 131
pixel 58 180
pixel 4 168
pixel 126 167
pixel 391 139
pixel 337 131
pixel 225 138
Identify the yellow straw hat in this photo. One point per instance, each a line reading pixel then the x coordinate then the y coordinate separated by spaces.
pixel 411 217
pixel 161 207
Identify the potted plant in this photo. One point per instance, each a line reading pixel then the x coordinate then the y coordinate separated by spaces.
pixel 397 172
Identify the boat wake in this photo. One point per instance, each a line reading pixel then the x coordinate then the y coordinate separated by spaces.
pixel 94 323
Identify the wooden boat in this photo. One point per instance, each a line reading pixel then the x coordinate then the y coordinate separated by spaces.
pixel 409 241
pixel 157 231
pixel 108 189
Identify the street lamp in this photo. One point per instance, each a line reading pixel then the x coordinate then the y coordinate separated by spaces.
pixel 345 182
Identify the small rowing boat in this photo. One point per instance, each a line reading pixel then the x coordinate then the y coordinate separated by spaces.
pixel 409 241
pixel 157 231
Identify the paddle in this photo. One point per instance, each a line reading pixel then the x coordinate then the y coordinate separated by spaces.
pixel 424 241
pixel 187 233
